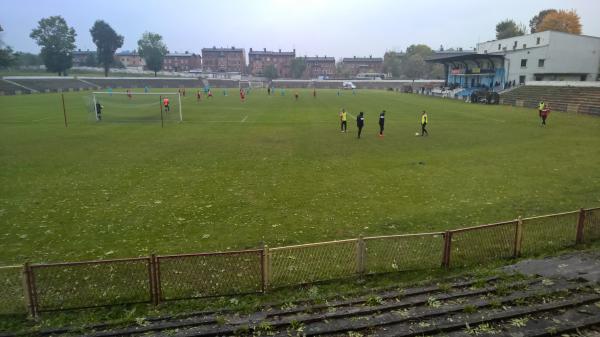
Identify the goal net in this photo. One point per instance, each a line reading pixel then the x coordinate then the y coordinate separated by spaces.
pixel 251 84
pixel 134 107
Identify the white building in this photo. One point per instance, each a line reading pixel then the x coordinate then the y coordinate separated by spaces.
pixel 547 56
pixel 544 56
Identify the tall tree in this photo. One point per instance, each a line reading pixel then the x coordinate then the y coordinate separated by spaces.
pixel 7 58
pixel 562 21
pixel 270 72
pixel 107 41
pixel 508 28
pixel 57 40
pixel 298 66
pixel 536 20
pixel 153 50
pixel 28 59
pixel 392 62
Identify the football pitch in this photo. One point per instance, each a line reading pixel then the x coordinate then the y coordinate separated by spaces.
pixel 275 171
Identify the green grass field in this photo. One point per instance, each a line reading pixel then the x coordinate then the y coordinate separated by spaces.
pixel 234 175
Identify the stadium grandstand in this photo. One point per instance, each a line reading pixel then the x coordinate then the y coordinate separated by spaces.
pixel 502 64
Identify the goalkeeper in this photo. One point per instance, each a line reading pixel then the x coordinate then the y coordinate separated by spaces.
pixel 99 111
pixel 166 104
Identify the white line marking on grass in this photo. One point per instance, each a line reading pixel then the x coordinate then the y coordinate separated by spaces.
pixel 243 120
pixel 41 119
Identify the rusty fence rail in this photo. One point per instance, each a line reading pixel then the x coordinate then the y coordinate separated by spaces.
pixel 34 288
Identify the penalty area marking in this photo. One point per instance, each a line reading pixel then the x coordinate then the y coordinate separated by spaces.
pixel 243 120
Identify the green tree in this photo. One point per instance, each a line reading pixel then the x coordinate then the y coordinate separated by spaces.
pixel 508 28
pixel 536 20
pixel 90 60
pixel 57 40
pixel 7 58
pixel 28 59
pixel 270 72
pixel 153 50
pixel 298 67
pixel 561 21
pixel 413 64
pixel 341 71
pixel 392 62
pixel 107 41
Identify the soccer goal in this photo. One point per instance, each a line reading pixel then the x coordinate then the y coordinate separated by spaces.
pixel 251 84
pixel 135 107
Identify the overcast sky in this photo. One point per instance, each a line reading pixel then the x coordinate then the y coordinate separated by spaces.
pixel 324 27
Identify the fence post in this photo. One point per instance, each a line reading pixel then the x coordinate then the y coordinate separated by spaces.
pixel 447 249
pixel 360 255
pixel 265 268
pixel 518 237
pixel 29 290
pixel 153 280
pixel 580 224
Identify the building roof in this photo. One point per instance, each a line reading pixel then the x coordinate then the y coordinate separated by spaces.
pixel 84 52
pixel 319 59
pixel 181 55
pixel 127 53
pixel 272 53
pixel 362 59
pixel 215 49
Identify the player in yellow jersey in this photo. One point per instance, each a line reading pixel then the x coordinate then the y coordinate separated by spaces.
pixel 344 120
pixel 424 121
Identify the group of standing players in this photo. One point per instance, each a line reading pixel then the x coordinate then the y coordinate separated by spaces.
pixel 360 122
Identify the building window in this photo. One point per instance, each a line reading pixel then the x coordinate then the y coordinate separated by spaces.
pixel 524 45
pixel 541 63
pixel 537 41
pixel 499 46
pixel 584 77
pixel 538 77
pixel 521 79
pixel 523 63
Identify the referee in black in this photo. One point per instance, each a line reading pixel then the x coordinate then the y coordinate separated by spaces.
pixel 360 122
pixel 381 123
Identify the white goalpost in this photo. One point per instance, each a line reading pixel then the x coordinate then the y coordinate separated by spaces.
pixel 136 106
pixel 251 84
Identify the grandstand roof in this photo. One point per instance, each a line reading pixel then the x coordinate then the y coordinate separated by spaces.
pixel 462 57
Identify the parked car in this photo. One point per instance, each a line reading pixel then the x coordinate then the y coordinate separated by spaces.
pixel 348 85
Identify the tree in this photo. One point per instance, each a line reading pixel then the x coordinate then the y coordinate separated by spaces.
pixel 57 40
pixel 7 58
pixel 536 20
pixel 270 72
pixel 341 71
pixel 508 28
pixel 28 59
pixel 298 67
pixel 107 41
pixel 153 50
pixel 392 62
pixel 91 60
pixel 562 21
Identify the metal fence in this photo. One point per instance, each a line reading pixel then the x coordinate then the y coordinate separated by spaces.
pixel 35 288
